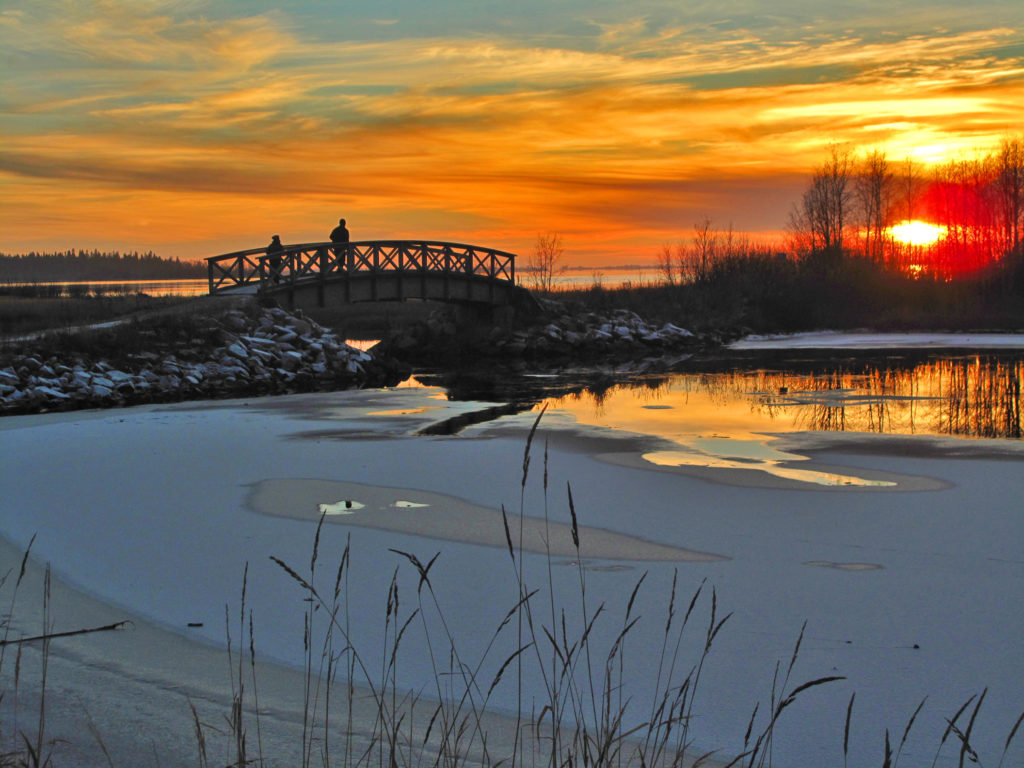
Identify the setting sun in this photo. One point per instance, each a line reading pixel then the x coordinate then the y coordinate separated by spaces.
pixel 918 232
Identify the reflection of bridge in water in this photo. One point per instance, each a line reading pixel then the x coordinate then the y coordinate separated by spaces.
pixel 322 274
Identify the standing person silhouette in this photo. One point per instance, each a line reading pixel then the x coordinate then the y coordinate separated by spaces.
pixel 339 235
pixel 275 252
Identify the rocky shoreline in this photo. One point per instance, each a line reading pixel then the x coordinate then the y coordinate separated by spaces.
pixel 235 354
pixel 256 350
pixel 560 336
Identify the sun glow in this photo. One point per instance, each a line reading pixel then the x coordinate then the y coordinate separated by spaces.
pixel 918 232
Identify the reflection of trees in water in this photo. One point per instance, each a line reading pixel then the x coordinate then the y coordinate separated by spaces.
pixel 982 398
pixel 646 389
pixel 973 396
pixel 977 396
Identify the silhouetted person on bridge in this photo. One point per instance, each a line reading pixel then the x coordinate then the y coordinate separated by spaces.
pixel 340 235
pixel 275 254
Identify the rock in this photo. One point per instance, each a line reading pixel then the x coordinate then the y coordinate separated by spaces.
pixel 285 335
pixel 238 350
pixel 675 330
pixel 235 320
pixel 257 342
pixel 291 360
pixel 263 355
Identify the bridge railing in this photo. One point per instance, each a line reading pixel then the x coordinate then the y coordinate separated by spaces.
pixel 324 261
pixel 231 270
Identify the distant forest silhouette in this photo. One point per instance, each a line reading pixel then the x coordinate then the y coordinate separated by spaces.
pixel 94 266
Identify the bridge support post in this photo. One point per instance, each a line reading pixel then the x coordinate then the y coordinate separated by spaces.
pixel 321 259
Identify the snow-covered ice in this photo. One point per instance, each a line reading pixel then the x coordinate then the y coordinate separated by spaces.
pixel 872 340
pixel 908 590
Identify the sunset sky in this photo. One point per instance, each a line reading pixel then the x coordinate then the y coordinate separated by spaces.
pixel 195 127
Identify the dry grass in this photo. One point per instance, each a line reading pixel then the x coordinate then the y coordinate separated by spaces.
pixel 20 315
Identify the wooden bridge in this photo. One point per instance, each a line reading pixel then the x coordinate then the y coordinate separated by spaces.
pixel 322 274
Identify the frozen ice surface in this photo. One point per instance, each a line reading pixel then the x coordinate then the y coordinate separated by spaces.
pixel 868 340
pixel 146 508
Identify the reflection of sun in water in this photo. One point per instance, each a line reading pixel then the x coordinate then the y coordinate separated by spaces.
pixel 759 457
pixel 917 232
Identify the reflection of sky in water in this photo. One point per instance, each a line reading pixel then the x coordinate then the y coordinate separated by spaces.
pixel 969 396
pixel 720 419
pixel 772 467
pixel 711 432
pixel 679 412
pixel 363 344
pixel 726 453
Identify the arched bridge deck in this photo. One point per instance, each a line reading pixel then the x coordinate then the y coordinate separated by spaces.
pixel 321 274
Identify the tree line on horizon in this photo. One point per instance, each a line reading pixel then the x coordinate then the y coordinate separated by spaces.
pixel 94 266
pixel 843 266
pixel 853 201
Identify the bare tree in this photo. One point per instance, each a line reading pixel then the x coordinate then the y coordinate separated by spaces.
pixel 909 185
pixel 546 260
pixel 800 240
pixel 705 248
pixel 873 191
pixel 1009 184
pixel 962 200
pixel 667 264
pixel 821 220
